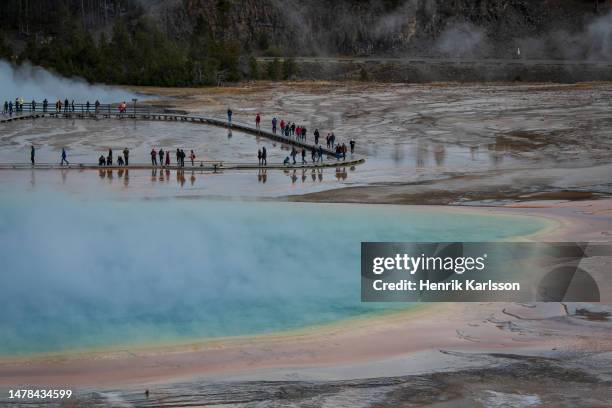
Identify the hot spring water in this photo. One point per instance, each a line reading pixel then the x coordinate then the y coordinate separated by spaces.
pixel 83 273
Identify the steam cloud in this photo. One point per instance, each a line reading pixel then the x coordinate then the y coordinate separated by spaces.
pixel 33 82
pixel 594 43
pixel 463 40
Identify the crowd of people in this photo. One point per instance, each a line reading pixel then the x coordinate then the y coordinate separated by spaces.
pixel 164 157
pixel 70 107
pixel 64 106
pixel 122 159
pixel 10 107
pixel 159 158
pixel 299 132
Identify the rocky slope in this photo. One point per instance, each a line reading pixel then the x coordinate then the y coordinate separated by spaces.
pixel 460 28
pixel 464 28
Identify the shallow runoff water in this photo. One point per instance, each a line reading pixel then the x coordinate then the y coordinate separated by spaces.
pixel 87 271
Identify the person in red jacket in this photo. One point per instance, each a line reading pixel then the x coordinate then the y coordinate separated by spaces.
pixel 257 120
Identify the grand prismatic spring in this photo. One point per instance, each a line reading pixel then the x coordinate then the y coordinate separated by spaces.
pixel 130 271
pixel 227 282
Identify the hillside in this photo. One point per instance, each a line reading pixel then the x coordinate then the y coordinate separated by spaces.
pixel 199 42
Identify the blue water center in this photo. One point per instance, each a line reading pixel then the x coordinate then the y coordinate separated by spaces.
pixel 86 273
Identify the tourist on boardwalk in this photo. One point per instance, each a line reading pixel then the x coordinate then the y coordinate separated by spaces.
pixel 192 157
pixel 257 121
pixel 332 139
pixel 72 105
pixel 45 105
pixel 259 156
pixel 298 131
pixel 101 160
pixel 33 106
pixel 293 154
pixel 316 136
pixel 343 149
pixel 313 155
pixel 287 131
pixel 264 156
pixel 338 151
pixel 126 156
pixel 178 157
pixel 182 158
pixel 32 154
pixel 66 107
pixel 352 144
pixel 167 159
pixel 87 107
pixel 109 158
pixel 97 107
pixel 58 106
pixel 286 161
pixel 64 155
pixel 274 125
pixel 327 140
pixel 229 116
pixel 10 108
pixel 304 156
pixel 282 125
pixel 120 161
pixel 17 105
pixel 293 129
pixel 303 133
pixel 321 153
pixel 153 157
pixel 161 156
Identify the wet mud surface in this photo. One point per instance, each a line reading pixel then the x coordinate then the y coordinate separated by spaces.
pixel 509 381
pixel 444 143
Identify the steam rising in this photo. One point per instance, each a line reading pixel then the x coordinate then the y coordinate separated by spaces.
pixel 463 40
pixel 414 28
pixel 33 82
pixel 594 43
pixel 97 271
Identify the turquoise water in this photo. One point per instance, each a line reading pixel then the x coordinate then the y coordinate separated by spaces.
pixel 83 273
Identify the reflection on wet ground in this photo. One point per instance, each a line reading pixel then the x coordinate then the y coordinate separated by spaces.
pixel 164 182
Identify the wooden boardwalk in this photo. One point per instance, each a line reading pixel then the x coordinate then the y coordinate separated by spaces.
pixel 168 117
pixel 140 114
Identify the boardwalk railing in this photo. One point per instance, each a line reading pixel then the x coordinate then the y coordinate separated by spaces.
pixel 82 109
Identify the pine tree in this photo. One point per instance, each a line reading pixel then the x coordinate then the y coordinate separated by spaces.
pixel 253 68
pixel 274 69
pixel 289 68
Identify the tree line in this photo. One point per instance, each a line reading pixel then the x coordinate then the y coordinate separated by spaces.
pixel 135 52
